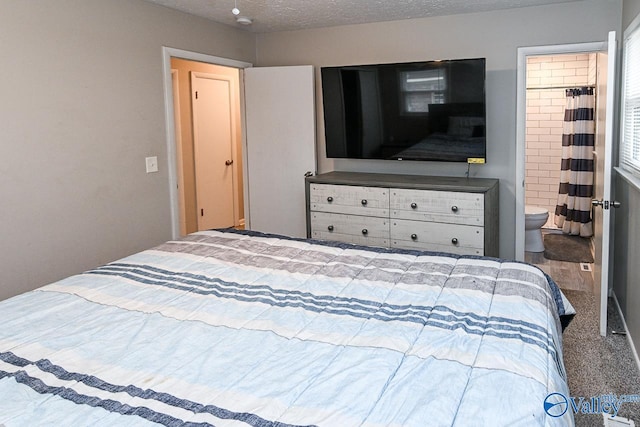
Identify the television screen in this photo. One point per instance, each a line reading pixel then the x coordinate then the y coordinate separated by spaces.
pixel 432 110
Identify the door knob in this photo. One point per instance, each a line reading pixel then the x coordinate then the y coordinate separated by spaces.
pixel 228 162
pixel 606 203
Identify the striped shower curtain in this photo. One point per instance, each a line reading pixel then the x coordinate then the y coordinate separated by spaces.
pixel 573 210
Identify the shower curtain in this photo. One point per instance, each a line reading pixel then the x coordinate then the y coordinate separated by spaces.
pixel 573 210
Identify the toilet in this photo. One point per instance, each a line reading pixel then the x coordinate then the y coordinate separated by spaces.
pixel 534 218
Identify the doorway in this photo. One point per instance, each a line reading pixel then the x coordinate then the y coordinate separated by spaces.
pixel 548 81
pixel 531 59
pixel 208 145
pixel 180 147
pixel 278 142
pixel 604 89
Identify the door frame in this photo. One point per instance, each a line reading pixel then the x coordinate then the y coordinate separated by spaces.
pixel 167 54
pixel 521 110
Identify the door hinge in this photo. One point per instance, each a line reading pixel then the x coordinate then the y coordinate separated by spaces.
pixel 196 94
pixel 201 212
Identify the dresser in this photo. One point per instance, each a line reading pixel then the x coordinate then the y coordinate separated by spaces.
pixel 443 214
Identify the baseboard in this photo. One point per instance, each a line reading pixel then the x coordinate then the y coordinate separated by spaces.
pixel 626 330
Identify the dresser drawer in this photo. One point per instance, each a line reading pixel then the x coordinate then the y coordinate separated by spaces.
pixel 456 238
pixel 349 199
pixel 439 206
pixel 370 231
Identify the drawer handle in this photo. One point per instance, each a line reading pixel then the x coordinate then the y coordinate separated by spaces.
pixel 454 208
pixel 454 241
pixel 364 202
pixel 414 237
pixel 329 199
pixel 414 205
pixel 330 228
pixel 365 231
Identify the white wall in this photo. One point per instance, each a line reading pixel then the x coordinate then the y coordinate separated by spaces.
pixel 81 106
pixel 493 35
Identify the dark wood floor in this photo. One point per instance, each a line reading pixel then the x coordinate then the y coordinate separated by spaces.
pixel 568 275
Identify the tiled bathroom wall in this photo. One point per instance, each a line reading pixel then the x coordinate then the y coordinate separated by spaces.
pixel 547 78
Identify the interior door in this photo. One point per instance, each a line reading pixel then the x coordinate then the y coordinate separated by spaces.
pixel 603 174
pixel 280 147
pixel 213 135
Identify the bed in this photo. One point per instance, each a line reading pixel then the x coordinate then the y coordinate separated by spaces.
pixel 444 147
pixel 239 328
pixel 456 132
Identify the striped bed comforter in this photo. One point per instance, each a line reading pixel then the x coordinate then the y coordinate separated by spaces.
pixel 232 328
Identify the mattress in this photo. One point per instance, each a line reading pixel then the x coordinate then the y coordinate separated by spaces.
pixel 444 147
pixel 232 328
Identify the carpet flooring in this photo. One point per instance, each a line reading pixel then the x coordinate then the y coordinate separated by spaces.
pixel 563 247
pixel 599 365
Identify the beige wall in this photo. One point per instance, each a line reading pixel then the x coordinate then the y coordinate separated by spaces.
pixel 81 107
pixel 493 35
pixel 184 68
pixel 631 9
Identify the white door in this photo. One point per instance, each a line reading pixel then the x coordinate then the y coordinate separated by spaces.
pixel 213 134
pixel 603 179
pixel 280 147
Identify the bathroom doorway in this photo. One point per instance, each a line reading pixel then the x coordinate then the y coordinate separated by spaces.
pixel 604 90
pixel 550 79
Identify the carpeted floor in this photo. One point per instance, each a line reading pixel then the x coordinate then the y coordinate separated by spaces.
pixel 599 365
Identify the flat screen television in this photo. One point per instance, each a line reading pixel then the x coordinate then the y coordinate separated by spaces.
pixel 433 110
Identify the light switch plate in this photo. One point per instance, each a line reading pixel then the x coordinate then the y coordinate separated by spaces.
pixel 152 164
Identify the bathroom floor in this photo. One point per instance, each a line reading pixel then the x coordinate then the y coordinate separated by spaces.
pixel 568 275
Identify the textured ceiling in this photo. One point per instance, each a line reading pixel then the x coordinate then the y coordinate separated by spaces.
pixel 282 15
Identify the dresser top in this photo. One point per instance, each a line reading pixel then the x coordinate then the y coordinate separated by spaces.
pixel 448 183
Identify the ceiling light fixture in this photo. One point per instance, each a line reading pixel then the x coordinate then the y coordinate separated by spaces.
pixel 244 20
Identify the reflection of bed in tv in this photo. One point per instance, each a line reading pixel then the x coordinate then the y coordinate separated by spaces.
pixel 440 146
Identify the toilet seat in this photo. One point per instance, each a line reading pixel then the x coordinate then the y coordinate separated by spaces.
pixel 534 211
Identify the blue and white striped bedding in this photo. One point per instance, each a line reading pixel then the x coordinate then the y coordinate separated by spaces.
pixel 242 329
